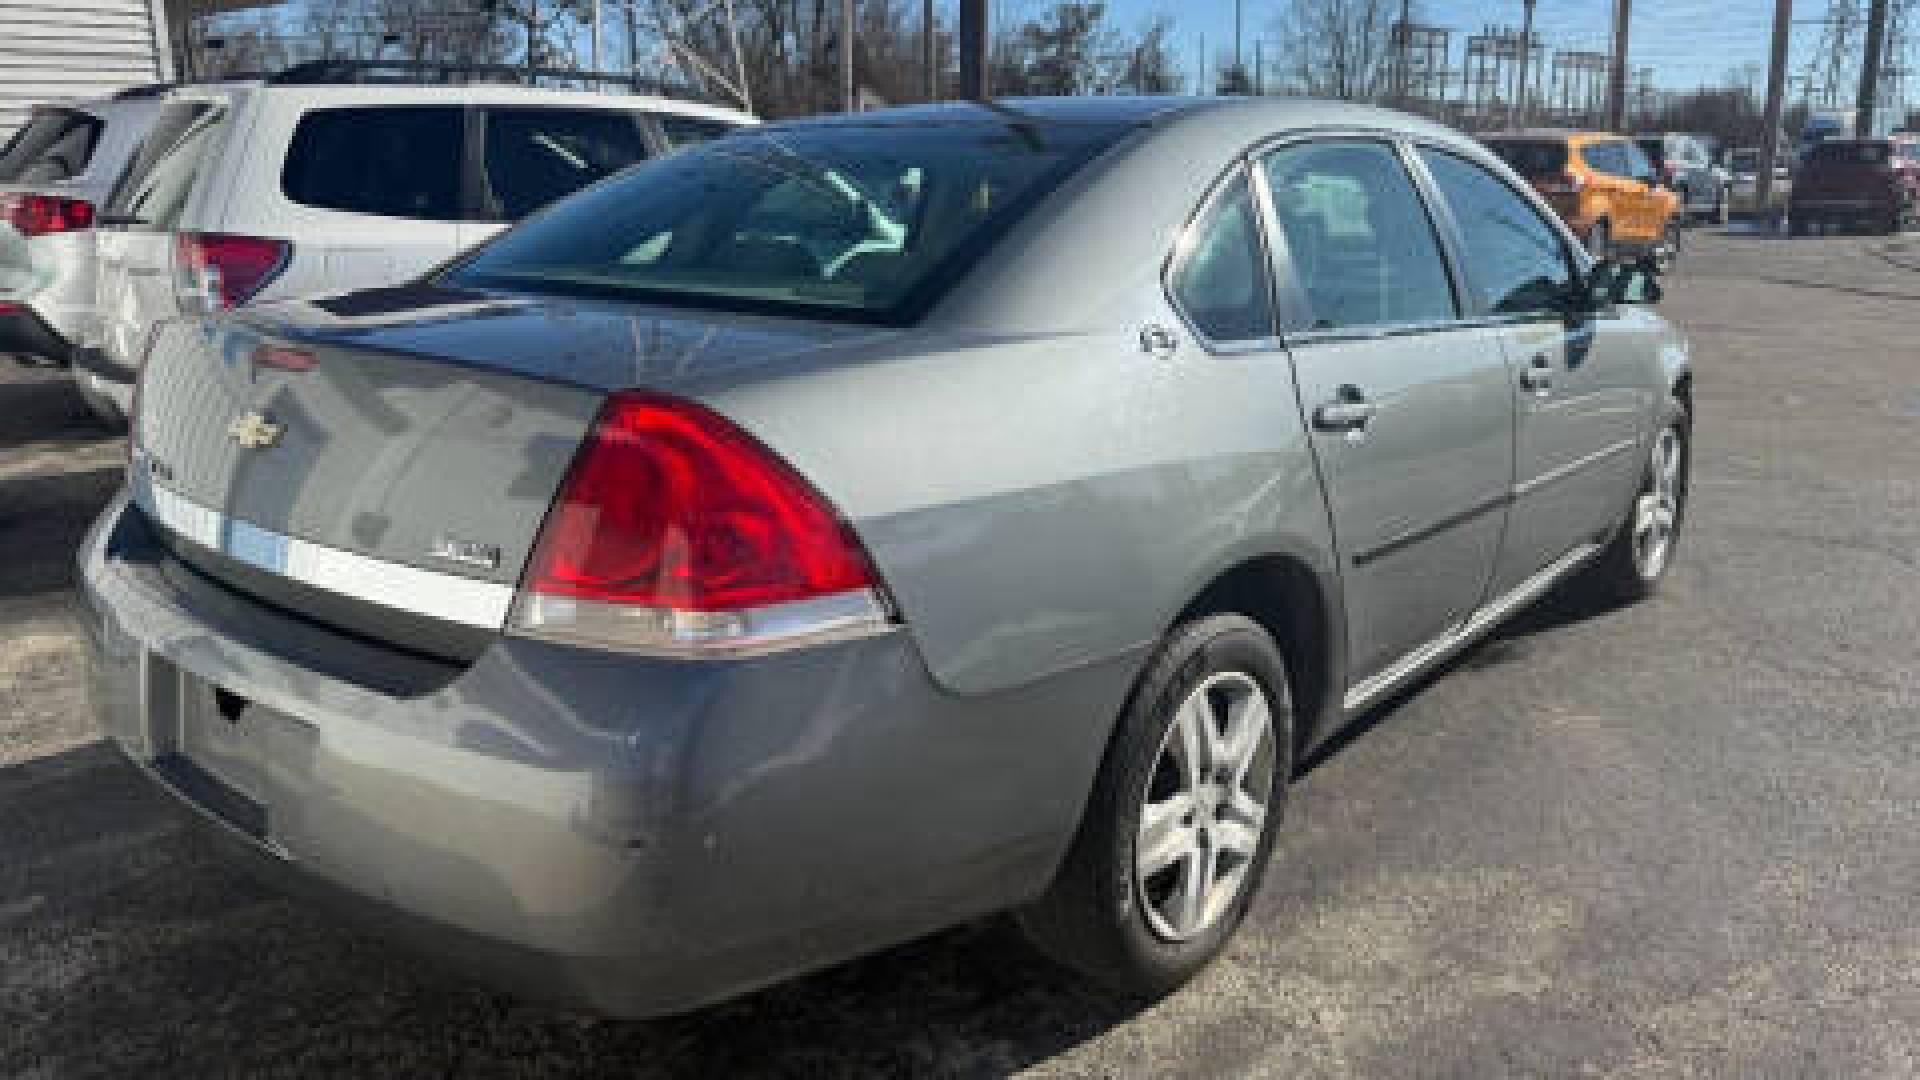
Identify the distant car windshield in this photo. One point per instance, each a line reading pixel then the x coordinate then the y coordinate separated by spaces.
pixel 1531 158
pixel 841 222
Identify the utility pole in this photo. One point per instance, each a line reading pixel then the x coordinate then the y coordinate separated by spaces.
pixel 1239 62
pixel 1526 54
pixel 973 50
pixel 596 38
pixel 928 50
pixel 1200 85
pixel 1863 116
pixel 1617 78
pixel 1776 101
pixel 1404 39
pixel 847 101
pixel 1259 69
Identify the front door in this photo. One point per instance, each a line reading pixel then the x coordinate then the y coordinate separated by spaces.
pixel 1410 408
pixel 1578 403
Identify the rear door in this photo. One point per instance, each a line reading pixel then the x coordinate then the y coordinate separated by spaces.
pixel 1577 404
pixel 134 238
pixel 369 194
pixel 531 155
pixel 1409 405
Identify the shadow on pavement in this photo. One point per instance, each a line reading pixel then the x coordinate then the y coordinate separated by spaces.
pixel 42 408
pixel 42 519
pixel 127 950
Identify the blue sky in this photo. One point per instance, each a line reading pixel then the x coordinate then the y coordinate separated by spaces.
pixel 1687 42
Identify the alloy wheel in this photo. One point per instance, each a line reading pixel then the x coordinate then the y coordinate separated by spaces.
pixel 1656 514
pixel 1206 805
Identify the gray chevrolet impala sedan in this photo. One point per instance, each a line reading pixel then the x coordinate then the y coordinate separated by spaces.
pixel 848 528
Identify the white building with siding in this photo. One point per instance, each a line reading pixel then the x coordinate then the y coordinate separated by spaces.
pixel 62 50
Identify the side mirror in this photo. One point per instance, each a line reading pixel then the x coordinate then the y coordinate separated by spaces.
pixel 1621 281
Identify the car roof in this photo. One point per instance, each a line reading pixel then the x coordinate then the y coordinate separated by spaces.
pixel 458 94
pixel 1565 135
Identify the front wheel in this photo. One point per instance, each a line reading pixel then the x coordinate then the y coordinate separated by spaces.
pixel 1178 829
pixel 1670 241
pixel 1723 210
pixel 1637 559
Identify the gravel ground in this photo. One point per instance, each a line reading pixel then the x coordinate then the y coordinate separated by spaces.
pixel 1672 840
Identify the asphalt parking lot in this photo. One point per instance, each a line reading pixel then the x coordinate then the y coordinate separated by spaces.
pixel 1679 839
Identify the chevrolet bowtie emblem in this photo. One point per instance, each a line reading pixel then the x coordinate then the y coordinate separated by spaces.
pixel 253 431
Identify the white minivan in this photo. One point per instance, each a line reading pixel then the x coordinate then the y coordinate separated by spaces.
pixel 259 190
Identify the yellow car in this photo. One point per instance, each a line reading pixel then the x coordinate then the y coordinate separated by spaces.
pixel 1601 185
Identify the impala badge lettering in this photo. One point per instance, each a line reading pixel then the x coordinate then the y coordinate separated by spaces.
pixel 472 553
pixel 254 431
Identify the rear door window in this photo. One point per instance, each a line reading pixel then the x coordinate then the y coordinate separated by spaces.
pixel 1358 236
pixel 153 190
pixel 1221 281
pixel 394 161
pixel 534 155
pixel 55 145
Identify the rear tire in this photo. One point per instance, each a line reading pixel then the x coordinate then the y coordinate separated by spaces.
pixel 1641 551
pixel 1170 851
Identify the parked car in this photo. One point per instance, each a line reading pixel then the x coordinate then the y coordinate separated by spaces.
pixel 264 189
pixel 807 541
pixel 1601 185
pixel 1743 163
pixel 1867 183
pixel 54 175
pixel 1685 164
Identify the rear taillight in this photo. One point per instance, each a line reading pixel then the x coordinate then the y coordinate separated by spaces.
pixel 676 532
pixel 40 215
pixel 1566 183
pixel 216 271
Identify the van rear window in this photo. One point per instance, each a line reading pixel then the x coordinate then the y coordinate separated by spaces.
pixel 54 145
pixel 154 188
pixel 1531 158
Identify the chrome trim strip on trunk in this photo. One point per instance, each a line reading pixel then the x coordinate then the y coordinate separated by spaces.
pixel 1372 689
pixel 462 600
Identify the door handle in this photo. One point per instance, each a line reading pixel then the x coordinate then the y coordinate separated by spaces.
pixel 1538 377
pixel 1348 411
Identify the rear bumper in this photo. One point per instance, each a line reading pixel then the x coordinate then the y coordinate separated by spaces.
pixel 641 836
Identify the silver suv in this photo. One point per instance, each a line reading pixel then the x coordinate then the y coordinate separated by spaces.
pixel 810 540
pixel 257 190
pixel 55 174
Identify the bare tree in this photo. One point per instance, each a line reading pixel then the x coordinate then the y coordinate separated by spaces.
pixel 1338 48
pixel 1149 67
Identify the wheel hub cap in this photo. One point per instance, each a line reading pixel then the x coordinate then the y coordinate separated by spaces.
pixel 1205 807
pixel 1656 514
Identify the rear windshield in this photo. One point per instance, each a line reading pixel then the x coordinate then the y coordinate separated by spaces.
pixel 863 224
pixel 55 145
pixel 1531 158
pixel 154 188
pixel 1850 153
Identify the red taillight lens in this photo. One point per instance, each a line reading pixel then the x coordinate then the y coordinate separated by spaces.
pixel 40 215
pixel 671 510
pixel 216 271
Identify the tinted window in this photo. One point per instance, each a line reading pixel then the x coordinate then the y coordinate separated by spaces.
pixel 1531 158
pixel 395 161
pixel 55 145
pixel 688 130
pixel 1358 236
pixel 534 156
pixel 1221 280
pixel 1655 150
pixel 156 183
pixel 1609 158
pixel 836 221
pixel 1515 261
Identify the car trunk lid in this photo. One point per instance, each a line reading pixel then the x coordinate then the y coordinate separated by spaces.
pixel 356 443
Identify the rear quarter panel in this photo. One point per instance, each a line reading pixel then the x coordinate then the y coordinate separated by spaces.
pixel 1040 503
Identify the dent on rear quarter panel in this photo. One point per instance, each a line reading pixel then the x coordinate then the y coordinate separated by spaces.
pixel 1040 503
